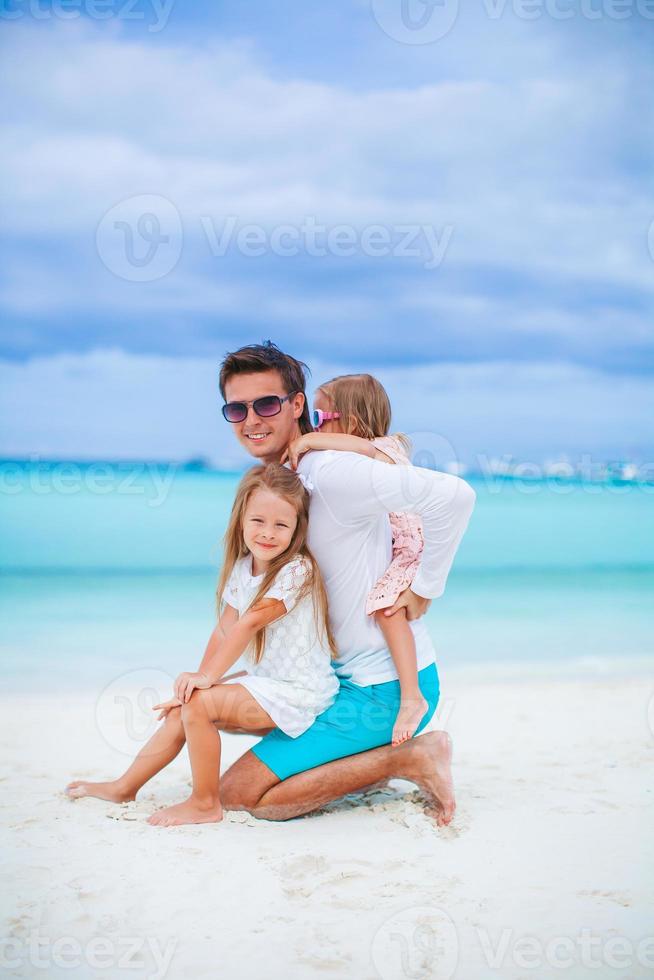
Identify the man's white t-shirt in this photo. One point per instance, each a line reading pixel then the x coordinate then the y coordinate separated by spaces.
pixel 350 537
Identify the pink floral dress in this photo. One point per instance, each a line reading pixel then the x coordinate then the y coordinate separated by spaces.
pixel 408 541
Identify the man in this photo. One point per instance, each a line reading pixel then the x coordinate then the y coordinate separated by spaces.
pixel 348 747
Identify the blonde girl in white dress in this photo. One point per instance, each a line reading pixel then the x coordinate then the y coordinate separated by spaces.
pixel 272 608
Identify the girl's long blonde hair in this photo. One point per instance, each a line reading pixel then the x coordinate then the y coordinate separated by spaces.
pixel 284 483
pixel 364 406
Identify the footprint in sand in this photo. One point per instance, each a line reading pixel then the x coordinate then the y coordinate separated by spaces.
pixel 301 877
pixel 619 898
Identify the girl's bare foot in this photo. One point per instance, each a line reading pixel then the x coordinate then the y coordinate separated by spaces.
pixel 114 791
pixel 408 718
pixel 190 811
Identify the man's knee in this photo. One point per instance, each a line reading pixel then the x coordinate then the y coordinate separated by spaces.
pixel 245 784
pixel 237 794
pixel 266 811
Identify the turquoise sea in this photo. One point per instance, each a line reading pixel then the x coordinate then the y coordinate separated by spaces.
pixel 109 568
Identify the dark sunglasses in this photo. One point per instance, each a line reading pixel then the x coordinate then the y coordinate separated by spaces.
pixel 264 407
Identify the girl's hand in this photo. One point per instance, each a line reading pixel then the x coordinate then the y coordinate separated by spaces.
pixel 166 706
pixel 186 683
pixel 297 448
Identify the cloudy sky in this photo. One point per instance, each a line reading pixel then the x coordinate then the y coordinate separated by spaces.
pixel 459 201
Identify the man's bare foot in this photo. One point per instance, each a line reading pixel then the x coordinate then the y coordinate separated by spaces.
pixel 409 716
pixel 429 765
pixel 114 791
pixel 190 811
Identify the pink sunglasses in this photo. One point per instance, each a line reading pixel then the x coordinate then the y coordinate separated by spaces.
pixel 320 417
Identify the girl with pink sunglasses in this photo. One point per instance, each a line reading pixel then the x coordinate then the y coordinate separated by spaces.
pixel 352 413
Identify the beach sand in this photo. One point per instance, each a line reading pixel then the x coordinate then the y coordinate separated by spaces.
pixel 545 871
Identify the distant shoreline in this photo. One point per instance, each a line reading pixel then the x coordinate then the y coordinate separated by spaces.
pixel 607 474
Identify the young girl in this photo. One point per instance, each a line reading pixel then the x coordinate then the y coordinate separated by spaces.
pixel 275 608
pixel 353 413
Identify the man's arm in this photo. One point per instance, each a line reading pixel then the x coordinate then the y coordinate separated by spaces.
pixel 354 487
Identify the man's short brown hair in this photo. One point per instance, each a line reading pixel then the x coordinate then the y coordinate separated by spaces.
pixel 256 358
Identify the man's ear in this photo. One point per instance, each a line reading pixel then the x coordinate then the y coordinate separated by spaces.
pixel 298 404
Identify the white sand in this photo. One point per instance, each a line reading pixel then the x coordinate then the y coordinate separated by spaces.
pixel 552 841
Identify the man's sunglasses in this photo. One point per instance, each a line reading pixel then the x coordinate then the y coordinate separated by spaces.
pixel 264 407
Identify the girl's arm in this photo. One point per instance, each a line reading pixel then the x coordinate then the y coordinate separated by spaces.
pixel 332 440
pixel 230 648
pixel 225 623
pixel 228 618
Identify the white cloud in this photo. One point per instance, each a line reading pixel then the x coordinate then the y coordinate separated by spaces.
pixel 517 166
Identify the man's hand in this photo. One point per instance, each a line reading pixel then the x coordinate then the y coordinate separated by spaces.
pixel 297 448
pixel 186 683
pixel 414 604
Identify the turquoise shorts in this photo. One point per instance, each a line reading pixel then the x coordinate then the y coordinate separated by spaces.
pixel 360 718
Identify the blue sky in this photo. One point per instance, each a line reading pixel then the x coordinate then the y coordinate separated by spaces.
pixel 515 153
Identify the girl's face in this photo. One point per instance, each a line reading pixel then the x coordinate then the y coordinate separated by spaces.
pixel 269 522
pixel 322 402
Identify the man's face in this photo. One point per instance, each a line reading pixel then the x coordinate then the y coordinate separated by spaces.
pixel 265 439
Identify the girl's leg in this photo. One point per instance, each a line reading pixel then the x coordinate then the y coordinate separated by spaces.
pixel 400 641
pixel 157 753
pixel 226 705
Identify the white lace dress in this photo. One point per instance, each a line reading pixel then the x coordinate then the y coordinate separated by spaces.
pixel 294 681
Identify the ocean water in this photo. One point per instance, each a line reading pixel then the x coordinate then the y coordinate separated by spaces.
pixel 109 569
